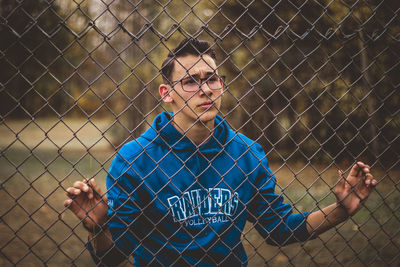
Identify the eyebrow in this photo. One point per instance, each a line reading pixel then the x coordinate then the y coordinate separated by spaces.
pixel 196 75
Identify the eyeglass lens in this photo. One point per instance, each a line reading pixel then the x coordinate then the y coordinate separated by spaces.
pixel 214 82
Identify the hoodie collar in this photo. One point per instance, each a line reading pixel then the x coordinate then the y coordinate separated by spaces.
pixel 162 132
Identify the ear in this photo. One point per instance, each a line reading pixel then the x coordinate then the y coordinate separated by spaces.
pixel 164 90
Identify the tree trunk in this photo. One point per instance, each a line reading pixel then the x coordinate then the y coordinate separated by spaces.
pixel 369 99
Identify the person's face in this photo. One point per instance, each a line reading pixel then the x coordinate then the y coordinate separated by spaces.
pixel 192 99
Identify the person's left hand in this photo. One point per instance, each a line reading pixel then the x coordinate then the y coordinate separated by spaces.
pixel 352 191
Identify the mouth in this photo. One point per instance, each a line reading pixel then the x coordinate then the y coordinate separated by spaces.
pixel 206 105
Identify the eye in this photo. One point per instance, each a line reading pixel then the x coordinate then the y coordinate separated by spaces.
pixel 213 78
pixel 189 81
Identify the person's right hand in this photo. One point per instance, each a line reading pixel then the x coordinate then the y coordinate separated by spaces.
pixel 88 204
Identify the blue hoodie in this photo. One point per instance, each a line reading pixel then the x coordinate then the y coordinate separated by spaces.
pixel 173 203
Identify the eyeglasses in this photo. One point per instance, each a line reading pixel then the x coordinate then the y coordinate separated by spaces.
pixel 193 82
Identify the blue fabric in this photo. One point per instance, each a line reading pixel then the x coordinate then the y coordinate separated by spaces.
pixel 172 203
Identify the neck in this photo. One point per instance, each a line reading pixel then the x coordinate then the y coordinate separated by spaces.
pixel 198 132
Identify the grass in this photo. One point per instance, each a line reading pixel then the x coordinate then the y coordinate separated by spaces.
pixel 371 237
pixel 34 224
pixel 35 228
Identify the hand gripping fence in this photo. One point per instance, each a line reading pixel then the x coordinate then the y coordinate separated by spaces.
pixel 315 83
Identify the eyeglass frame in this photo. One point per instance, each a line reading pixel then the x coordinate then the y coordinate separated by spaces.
pixel 202 81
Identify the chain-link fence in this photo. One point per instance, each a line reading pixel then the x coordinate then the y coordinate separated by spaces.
pixel 315 83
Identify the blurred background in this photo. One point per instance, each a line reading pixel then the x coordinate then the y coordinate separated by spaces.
pixel 316 83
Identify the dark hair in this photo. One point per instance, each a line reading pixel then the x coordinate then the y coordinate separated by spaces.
pixel 188 46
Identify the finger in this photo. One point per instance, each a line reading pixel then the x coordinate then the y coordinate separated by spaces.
pixel 369 180
pixel 97 191
pixel 93 184
pixel 355 170
pixel 365 168
pixel 82 186
pixel 364 189
pixel 361 164
pixel 88 188
pixel 93 189
pixel 73 191
pixel 67 202
pixel 70 204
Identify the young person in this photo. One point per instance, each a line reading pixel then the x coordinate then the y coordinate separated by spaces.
pixel 182 192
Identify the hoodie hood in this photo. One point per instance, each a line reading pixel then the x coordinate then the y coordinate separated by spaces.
pixel 163 133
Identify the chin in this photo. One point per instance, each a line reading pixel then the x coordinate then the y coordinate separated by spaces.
pixel 208 115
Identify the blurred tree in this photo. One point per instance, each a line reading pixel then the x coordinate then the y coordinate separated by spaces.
pixel 310 80
pixel 30 48
pixel 311 75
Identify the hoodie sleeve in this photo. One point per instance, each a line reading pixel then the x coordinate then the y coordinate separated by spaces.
pixel 123 212
pixel 272 218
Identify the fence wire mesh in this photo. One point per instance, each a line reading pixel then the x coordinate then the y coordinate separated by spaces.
pixel 315 83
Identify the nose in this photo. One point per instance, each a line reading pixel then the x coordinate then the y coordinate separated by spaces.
pixel 204 88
